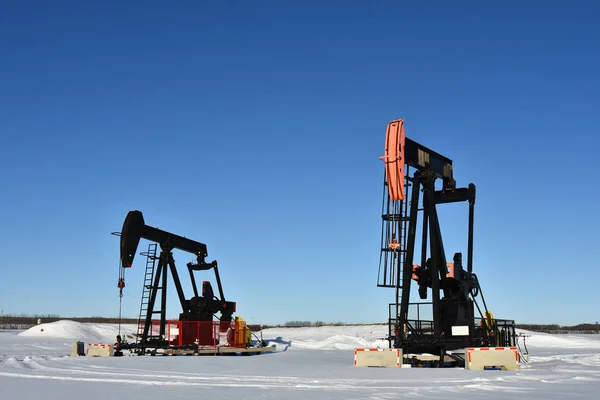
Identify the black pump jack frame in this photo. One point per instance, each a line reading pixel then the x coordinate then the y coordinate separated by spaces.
pixel 198 308
pixel 453 292
pixel 437 269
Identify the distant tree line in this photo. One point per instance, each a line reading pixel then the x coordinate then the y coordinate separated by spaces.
pixel 548 328
pixel 307 324
pixel 24 321
pixel 555 328
pixel 300 324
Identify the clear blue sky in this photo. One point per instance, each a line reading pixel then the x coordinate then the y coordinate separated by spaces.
pixel 256 127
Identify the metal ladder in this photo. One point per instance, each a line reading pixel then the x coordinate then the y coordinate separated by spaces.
pixel 394 228
pixel 146 290
pixel 394 215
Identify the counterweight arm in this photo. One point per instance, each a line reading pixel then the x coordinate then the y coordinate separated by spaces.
pixel 135 229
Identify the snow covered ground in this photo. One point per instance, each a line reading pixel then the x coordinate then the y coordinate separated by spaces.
pixel 309 362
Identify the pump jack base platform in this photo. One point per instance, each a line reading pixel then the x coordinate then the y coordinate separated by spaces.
pixel 211 351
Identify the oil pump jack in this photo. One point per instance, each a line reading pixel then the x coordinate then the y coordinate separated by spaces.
pixel 454 289
pixel 201 307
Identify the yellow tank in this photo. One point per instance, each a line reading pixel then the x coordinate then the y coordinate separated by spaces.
pixel 243 336
pixel 488 317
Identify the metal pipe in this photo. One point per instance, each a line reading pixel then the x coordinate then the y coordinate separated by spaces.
pixel 410 250
pixel 163 299
pixel 471 226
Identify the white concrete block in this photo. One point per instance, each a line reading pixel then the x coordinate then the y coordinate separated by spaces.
pixel 480 358
pixel 99 350
pixel 389 358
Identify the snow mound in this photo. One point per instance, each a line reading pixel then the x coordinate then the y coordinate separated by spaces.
pixel 547 340
pixel 353 336
pixel 328 337
pixel 71 330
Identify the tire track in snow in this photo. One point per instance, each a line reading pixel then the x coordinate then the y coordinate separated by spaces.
pixel 242 382
pixel 146 377
pixel 290 383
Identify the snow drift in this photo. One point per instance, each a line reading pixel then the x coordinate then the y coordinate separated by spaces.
pixel 71 330
pixel 310 362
